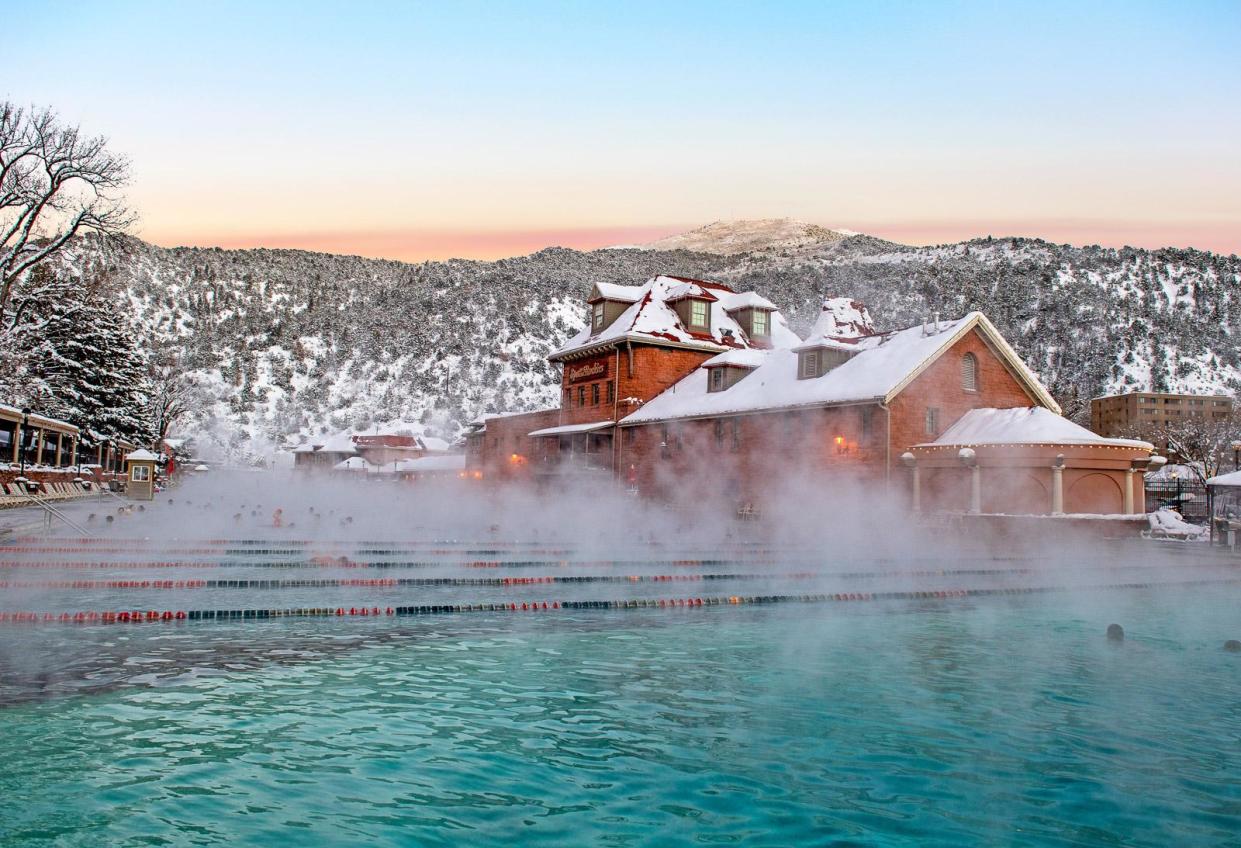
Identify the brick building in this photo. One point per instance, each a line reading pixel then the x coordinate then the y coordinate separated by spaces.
pixel 684 386
pixel 1143 415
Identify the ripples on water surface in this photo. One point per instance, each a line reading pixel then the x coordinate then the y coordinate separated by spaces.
pixel 994 722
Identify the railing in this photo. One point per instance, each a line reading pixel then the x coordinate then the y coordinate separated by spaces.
pixel 50 512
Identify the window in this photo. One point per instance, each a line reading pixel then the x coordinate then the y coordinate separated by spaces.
pixel 698 313
pixel 596 323
pixel 568 398
pixel 581 395
pixel 611 392
pixel 866 416
pixel 969 372
pixel 809 364
pixel 140 473
pixel 759 324
pixel 932 420
pixel 717 379
pixel 594 394
pixel 719 432
pixel 736 434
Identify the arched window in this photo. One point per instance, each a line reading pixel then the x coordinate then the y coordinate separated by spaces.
pixel 969 372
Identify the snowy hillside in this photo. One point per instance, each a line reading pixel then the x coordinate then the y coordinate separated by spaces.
pixel 764 234
pixel 283 344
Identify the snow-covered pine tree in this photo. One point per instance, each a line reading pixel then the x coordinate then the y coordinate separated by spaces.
pixel 79 359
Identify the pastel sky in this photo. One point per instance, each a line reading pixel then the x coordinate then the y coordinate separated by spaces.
pixel 425 130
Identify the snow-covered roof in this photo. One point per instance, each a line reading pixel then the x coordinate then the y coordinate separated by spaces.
pixel 745 300
pixel 339 443
pixel 613 291
pixel 568 429
pixel 744 357
pixel 1024 425
pixel 354 463
pixel 305 447
pixel 141 454
pixel 1232 478
pixel 841 323
pixel 883 365
pixel 433 443
pixel 448 462
pixel 688 289
pixel 651 318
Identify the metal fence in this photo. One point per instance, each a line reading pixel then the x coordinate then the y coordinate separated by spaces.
pixel 1189 497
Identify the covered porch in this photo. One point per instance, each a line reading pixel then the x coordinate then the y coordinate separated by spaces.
pixel 574 448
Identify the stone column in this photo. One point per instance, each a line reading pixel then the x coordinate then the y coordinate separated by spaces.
pixel 1057 489
pixel 1128 492
pixel 970 460
pixel 911 462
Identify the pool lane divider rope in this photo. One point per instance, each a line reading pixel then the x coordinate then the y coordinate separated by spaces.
pixel 153 616
pixel 344 562
pixel 384 582
pixel 506 582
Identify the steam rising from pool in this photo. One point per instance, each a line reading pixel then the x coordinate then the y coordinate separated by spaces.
pixel 225 571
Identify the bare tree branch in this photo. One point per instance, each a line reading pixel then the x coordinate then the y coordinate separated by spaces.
pixel 55 184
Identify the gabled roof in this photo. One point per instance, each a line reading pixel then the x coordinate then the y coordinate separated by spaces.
pixel 885 364
pixel 612 291
pixel 142 455
pixel 743 358
pixel 650 319
pixel 1023 425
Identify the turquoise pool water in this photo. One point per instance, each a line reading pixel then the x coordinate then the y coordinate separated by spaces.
pixel 1005 721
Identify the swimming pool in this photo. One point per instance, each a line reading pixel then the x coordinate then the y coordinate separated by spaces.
pixel 909 714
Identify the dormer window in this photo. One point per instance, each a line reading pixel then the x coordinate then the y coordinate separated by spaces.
pixel 817 361
pixel 808 365
pixel 699 310
pixel 760 323
pixel 596 316
pixel 726 375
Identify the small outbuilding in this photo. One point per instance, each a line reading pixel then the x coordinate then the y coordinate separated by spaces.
pixel 140 473
pixel 1028 461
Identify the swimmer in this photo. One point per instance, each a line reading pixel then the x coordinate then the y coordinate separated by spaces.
pixel 1233 646
pixel 1115 633
pixel 91 517
pixel 237 517
pixel 110 518
pixel 141 508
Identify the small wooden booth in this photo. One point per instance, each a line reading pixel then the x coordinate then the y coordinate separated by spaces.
pixel 140 473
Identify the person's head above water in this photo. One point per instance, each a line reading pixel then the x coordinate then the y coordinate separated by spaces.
pixel 1233 646
pixel 1115 633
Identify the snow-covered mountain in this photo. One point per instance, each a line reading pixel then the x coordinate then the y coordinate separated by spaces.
pixel 763 234
pixel 283 343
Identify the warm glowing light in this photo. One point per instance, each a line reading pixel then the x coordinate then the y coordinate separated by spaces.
pixel 840 440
